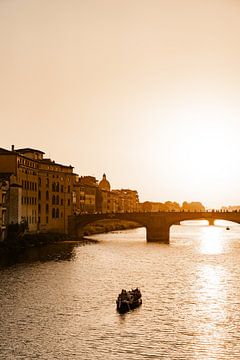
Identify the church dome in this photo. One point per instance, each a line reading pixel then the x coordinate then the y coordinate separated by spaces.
pixel 104 184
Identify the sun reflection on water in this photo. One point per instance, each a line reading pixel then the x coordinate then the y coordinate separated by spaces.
pixel 211 314
pixel 211 240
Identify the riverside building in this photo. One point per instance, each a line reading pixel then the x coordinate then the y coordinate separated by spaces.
pixel 41 191
pixel 85 190
pixel 44 193
pixel 4 186
pixel 117 201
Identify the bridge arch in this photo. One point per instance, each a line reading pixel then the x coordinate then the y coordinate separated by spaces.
pixel 157 224
pixel 76 223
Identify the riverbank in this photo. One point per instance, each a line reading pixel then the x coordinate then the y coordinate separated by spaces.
pixel 40 247
pixel 53 246
pixel 105 226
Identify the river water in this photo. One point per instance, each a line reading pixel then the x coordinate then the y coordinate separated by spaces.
pixel 65 308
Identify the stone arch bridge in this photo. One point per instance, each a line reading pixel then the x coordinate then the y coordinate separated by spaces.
pixel 157 224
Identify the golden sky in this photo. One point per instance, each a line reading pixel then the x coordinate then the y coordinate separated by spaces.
pixel 146 91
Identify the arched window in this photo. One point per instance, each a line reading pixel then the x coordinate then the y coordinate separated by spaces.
pixel 57 200
pixel 53 200
pixel 53 213
pixel 53 187
pixel 57 213
pixel 47 208
pixel 47 195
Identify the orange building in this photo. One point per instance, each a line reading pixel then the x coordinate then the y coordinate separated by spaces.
pixel 85 190
pixel 124 200
pixel 43 191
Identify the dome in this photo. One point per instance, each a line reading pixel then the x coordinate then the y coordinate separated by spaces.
pixel 104 184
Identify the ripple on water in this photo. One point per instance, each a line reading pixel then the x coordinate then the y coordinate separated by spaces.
pixel 66 309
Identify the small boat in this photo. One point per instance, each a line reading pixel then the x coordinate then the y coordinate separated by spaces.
pixel 227 228
pixel 128 300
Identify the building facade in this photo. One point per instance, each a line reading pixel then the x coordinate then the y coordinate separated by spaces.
pixel 117 201
pixel 85 190
pixel 41 191
pixel 4 187
pixel 43 194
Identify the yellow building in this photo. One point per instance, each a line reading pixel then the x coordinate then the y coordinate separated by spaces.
pixel 43 188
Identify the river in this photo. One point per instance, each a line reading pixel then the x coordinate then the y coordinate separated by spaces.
pixel 64 308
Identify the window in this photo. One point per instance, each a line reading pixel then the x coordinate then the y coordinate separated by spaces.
pixel 47 195
pixel 57 213
pixel 57 200
pixel 3 217
pixel 53 200
pixel 47 208
pixel 53 213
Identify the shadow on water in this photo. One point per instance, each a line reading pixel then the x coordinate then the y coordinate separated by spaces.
pixel 60 251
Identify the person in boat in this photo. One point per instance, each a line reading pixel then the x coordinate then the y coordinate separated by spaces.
pixel 125 295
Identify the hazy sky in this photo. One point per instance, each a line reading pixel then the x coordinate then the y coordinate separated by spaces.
pixel 146 91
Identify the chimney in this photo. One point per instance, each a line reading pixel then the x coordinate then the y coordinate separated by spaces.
pixel 12 147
